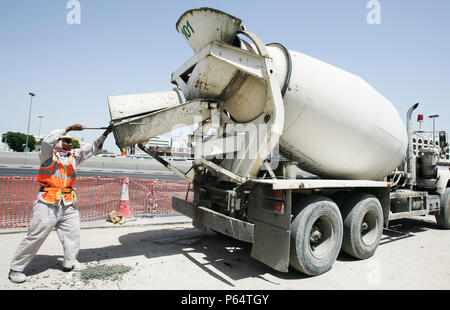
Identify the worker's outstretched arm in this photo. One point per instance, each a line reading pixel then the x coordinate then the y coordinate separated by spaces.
pixel 49 142
pixel 88 150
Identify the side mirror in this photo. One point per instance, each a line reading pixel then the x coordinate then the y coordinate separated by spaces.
pixel 443 139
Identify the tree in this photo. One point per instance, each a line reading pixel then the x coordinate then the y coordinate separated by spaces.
pixel 17 140
pixel 75 144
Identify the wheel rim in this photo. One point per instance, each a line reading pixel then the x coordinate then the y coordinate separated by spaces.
pixel 369 228
pixel 321 239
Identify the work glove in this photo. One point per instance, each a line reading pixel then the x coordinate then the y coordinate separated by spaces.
pixel 108 131
pixel 76 127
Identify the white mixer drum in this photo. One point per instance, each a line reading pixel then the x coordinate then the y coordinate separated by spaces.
pixel 337 125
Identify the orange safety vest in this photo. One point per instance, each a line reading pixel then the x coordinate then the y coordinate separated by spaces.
pixel 57 179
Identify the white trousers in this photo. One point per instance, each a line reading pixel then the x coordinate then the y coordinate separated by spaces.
pixel 66 221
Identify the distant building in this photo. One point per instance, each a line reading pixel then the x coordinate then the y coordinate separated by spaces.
pixel 3 146
pixel 163 146
pixel 160 141
pixel 160 144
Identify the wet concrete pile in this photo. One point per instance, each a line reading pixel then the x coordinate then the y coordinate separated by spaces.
pixel 104 272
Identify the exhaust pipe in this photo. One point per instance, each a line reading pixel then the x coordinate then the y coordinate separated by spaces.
pixel 410 154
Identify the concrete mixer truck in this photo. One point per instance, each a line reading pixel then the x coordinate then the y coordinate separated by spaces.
pixel 293 155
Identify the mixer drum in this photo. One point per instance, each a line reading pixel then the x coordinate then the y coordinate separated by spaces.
pixel 337 125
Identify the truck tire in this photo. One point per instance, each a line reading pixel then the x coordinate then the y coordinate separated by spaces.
pixel 363 225
pixel 443 217
pixel 316 235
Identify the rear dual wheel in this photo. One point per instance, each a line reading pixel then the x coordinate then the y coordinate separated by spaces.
pixel 318 231
pixel 316 235
pixel 363 225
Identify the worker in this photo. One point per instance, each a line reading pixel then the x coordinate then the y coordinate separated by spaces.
pixel 55 206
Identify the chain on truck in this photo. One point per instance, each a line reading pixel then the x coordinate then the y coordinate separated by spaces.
pixel 293 155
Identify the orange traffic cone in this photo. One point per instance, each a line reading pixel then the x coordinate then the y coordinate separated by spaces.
pixel 124 206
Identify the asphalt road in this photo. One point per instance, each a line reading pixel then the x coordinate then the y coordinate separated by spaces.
pixel 26 172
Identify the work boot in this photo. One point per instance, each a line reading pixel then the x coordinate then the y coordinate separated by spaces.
pixel 77 267
pixel 17 277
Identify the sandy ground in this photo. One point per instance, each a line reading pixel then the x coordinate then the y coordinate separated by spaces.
pixel 169 254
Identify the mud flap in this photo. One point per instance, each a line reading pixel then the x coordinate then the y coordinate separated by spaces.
pixel 271 246
pixel 271 231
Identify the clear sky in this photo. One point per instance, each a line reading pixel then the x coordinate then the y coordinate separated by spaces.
pixel 127 47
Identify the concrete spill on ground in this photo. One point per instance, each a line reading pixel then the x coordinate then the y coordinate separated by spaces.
pixel 104 272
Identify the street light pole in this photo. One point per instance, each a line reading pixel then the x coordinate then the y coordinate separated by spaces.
pixel 29 115
pixel 434 117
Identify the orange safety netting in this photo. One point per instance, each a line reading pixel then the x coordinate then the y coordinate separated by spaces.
pixel 97 196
